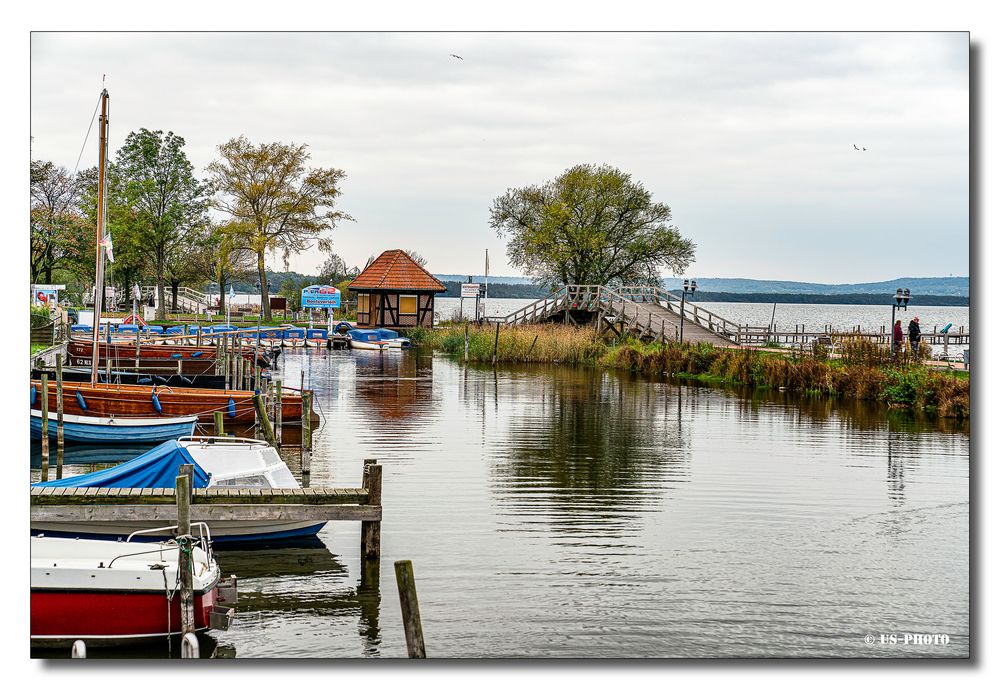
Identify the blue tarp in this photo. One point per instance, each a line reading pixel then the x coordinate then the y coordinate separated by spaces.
pixel 155 469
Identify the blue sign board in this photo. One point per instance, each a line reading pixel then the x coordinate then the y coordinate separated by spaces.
pixel 320 297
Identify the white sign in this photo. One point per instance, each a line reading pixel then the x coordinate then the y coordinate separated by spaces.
pixel 470 289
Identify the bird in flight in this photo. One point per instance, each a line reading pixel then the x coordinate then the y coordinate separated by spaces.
pixel 457 56
pixel 863 148
pixel 856 148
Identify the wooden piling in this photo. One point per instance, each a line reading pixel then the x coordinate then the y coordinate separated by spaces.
pixel 307 420
pixel 186 543
pixel 371 532
pixel 45 427
pixel 527 357
pixel 60 438
pixel 262 421
pixel 410 608
pixel 466 341
pixel 220 429
pixel 277 411
pixel 496 339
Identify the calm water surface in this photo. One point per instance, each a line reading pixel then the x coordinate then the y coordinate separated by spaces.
pixel 575 513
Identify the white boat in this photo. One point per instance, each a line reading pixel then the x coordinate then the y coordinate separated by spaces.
pixel 220 462
pixel 121 592
pixel 376 339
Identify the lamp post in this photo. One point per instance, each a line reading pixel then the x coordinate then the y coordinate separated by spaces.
pixel 689 286
pixel 902 299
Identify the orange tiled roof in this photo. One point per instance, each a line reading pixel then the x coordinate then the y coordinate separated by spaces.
pixel 395 270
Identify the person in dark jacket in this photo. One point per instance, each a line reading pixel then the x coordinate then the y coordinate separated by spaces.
pixel 897 337
pixel 914 329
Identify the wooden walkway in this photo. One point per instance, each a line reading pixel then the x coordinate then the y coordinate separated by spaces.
pixel 644 312
pixel 651 313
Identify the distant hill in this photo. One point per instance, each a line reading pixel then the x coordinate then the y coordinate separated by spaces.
pixel 919 300
pixel 955 286
pixel 509 280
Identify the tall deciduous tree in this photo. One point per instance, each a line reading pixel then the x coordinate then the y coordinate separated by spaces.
pixel 224 253
pixel 156 181
pixel 591 225
pixel 288 205
pixel 58 230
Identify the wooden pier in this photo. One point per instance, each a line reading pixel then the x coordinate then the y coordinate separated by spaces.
pixel 654 314
pixel 53 505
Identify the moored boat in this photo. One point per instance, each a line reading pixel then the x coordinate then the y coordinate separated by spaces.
pixel 126 400
pixel 219 462
pixel 376 339
pixel 87 429
pixel 118 592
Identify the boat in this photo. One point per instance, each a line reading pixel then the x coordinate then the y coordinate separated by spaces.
pixel 219 462
pixel 174 380
pixel 127 400
pixel 87 429
pixel 125 351
pixel 105 592
pixel 376 339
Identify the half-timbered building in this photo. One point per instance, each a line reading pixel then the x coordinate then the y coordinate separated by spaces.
pixel 394 291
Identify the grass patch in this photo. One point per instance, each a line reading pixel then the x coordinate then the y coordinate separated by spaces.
pixel 864 372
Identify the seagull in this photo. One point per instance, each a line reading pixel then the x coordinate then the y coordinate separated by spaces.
pixel 856 148
pixel 863 148
pixel 457 56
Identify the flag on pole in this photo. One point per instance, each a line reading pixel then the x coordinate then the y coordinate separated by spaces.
pixel 232 292
pixel 108 246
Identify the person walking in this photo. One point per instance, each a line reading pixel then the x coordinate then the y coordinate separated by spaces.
pixel 897 337
pixel 914 329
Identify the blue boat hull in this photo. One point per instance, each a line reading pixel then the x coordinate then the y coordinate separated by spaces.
pixel 92 433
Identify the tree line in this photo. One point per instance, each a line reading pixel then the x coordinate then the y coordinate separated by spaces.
pixel 593 224
pixel 171 227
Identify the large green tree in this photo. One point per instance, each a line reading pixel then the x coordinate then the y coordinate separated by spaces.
pixel 288 205
pixel 223 254
pixel 591 225
pixel 59 231
pixel 155 179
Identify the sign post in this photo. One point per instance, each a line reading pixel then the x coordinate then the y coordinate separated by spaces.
pixel 320 297
pixel 470 289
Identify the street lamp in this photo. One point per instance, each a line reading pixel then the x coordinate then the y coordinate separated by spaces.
pixel 689 286
pixel 902 299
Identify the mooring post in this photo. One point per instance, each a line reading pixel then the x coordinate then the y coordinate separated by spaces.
pixel 219 423
pixel 371 531
pixel 60 438
pixel 527 357
pixel 262 420
pixel 411 610
pixel 466 341
pixel 277 411
pixel 186 545
pixel 45 427
pixel 307 397
pixel 496 339
pixel 189 646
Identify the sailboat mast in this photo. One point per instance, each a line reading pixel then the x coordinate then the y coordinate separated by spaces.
pixel 101 222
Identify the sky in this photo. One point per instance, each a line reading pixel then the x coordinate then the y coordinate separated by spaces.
pixel 748 137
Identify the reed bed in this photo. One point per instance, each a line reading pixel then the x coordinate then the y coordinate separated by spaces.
pixel 863 371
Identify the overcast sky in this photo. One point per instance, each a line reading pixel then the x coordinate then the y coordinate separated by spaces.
pixel 749 138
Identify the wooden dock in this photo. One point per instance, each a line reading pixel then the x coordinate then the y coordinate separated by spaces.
pixel 53 505
pixel 654 314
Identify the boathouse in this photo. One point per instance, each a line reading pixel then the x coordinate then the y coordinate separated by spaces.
pixel 394 291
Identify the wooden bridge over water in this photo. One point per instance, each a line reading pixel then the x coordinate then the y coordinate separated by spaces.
pixel 654 314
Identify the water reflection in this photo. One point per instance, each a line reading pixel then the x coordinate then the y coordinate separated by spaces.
pixel 599 448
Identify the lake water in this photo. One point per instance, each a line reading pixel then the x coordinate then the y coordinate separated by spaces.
pixel 786 316
pixel 557 512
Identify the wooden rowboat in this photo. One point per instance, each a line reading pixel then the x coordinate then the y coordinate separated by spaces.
pixel 125 350
pixel 123 400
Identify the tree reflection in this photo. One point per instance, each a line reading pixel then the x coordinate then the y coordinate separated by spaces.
pixel 587 442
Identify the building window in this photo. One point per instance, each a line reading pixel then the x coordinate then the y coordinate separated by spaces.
pixel 407 305
pixel 363 304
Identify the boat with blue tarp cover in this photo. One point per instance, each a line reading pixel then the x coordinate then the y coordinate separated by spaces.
pixel 376 339
pixel 86 429
pixel 219 462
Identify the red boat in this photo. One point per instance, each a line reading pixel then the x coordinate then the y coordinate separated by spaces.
pixel 127 400
pixel 105 592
